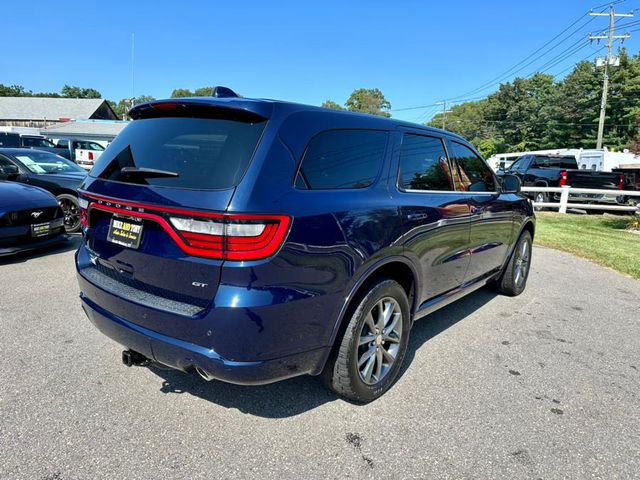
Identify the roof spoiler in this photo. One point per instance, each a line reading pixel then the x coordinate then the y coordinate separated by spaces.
pixel 239 109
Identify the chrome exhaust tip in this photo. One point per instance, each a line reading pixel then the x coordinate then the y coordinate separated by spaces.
pixel 204 374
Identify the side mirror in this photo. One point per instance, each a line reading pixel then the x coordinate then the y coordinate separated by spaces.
pixel 511 184
pixel 9 171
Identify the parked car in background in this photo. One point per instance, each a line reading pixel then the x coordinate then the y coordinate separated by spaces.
pixel 83 152
pixel 46 170
pixel 254 240
pixel 17 140
pixel 30 217
pixel 558 171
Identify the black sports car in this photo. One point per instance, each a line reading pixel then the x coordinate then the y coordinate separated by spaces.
pixel 47 170
pixel 30 218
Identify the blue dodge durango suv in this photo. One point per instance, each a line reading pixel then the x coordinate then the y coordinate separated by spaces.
pixel 255 240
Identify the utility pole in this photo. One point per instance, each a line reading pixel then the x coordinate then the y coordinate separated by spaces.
pixel 133 68
pixel 609 61
pixel 444 113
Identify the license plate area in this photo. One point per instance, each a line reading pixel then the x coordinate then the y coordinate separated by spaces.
pixel 40 229
pixel 125 231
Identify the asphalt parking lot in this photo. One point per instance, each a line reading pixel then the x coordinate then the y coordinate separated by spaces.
pixel 541 386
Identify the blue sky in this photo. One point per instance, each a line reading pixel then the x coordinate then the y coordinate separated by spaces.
pixel 416 52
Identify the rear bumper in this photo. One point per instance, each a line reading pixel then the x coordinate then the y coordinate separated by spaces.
pixel 187 356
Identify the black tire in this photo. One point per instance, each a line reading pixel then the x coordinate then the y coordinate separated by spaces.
pixel 342 374
pixel 540 197
pixel 71 210
pixel 513 279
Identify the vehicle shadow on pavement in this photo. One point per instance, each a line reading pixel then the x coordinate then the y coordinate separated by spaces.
pixel 72 244
pixel 432 325
pixel 298 395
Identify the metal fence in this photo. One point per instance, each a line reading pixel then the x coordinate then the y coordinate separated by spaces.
pixel 604 195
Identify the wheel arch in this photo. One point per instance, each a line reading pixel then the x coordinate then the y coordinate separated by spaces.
pixel 396 267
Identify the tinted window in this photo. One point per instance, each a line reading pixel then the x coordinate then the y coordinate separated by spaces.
pixel 86 145
pixel 342 159
pixel 423 164
pixel 5 162
pixel 206 154
pixel 9 140
pixel 36 142
pixel 474 174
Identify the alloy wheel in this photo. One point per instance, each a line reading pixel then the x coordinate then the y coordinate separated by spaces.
pixel 71 213
pixel 379 340
pixel 523 260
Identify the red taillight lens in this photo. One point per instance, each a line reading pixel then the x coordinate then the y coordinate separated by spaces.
pixel 621 182
pixel 234 237
pixel 90 155
pixel 84 220
pixel 204 234
pixel 83 203
pixel 563 179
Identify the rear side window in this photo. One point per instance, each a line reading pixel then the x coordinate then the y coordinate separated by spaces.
pixel 423 164
pixel 193 153
pixel 474 174
pixel 338 159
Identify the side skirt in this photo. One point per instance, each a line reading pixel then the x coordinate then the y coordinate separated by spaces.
pixel 451 296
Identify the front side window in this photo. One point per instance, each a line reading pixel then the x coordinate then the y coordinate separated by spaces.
pixel 423 164
pixel 474 174
pixel 339 159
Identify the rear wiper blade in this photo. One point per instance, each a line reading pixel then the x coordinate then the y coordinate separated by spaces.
pixel 147 172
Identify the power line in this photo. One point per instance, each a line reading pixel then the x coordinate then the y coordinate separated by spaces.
pixel 514 69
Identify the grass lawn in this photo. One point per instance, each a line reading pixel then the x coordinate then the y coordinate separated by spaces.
pixel 602 239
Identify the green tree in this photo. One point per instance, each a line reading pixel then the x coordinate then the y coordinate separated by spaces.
pixel 182 92
pixel 203 92
pixel 124 105
pixel 369 100
pixel 13 91
pixel 69 91
pixel 332 105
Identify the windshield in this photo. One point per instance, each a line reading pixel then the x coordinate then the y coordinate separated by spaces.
pixel 198 153
pixel 47 163
pixel 515 165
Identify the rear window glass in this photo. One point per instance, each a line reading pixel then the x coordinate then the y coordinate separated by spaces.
pixel 193 153
pixel 338 159
pixel 555 162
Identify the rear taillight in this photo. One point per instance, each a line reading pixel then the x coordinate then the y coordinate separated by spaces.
pixel 563 179
pixel 233 237
pixel 83 203
pixel 90 156
pixel 621 182
pixel 203 234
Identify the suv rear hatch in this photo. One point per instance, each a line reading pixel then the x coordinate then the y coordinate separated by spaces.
pixel 154 208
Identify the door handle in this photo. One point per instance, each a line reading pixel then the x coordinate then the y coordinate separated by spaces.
pixel 477 210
